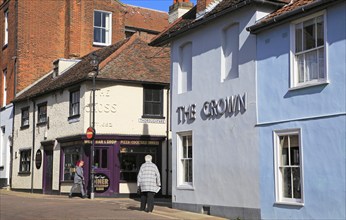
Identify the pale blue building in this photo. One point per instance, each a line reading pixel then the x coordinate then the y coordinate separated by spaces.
pixel 301 110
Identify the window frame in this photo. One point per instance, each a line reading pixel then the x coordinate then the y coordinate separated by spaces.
pixel 27 162
pixel 108 30
pixel 279 198
pixel 5 43
pixel 23 117
pixel 74 103
pixel 41 114
pixel 185 68
pixel 152 103
pixel 181 181
pixel 70 169
pixel 4 88
pixel 294 74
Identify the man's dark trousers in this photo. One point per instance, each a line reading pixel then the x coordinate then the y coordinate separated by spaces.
pixel 147 198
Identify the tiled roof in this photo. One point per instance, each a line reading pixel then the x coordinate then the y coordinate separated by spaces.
pixel 145 18
pixel 289 11
pixel 188 21
pixel 130 60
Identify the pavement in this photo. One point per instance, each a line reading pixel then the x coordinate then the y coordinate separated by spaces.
pixel 28 206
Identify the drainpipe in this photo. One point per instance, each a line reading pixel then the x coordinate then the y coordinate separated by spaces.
pixel 33 146
pixel 167 143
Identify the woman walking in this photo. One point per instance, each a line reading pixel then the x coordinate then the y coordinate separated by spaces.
pixel 78 179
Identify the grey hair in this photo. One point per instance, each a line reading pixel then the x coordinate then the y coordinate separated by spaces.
pixel 148 158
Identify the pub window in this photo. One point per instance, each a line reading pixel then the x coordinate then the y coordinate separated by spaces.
pixel 25 159
pixel 25 117
pixel 153 102
pixel 101 158
pixel 71 156
pixel 131 159
pixel 42 113
pixel 289 188
pixel 74 103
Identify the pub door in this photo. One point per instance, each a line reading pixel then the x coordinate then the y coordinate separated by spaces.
pixel 48 171
pixel 105 182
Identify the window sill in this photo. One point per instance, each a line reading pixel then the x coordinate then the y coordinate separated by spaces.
pixel 95 44
pixel 24 173
pixel 290 203
pixel 185 187
pixel 307 85
pixel 41 123
pixel 73 118
pixel 4 47
pixel 24 127
pixel 153 116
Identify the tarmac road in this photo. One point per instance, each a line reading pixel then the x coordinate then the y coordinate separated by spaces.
pixel 29 206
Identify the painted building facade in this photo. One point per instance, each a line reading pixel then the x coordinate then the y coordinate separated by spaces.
pixel 301 90
pixel 213 87
pixel 131 112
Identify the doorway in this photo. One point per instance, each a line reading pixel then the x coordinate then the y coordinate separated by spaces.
pixel 48 171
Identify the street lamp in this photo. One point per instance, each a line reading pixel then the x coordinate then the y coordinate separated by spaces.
pixel 94 62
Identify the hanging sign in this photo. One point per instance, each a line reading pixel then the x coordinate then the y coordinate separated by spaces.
pixel 38 159
pixel 101 182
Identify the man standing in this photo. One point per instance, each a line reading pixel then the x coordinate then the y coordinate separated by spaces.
pixel 149 183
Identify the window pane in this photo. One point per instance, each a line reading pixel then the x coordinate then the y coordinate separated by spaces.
pixel 294 150
pixel 284 150
pixel 104 158
pixel 97 18
pixel 320 31
pixel 296 183
pixel 299 38
pixel 286 182
pixel 97 35
pixel 103 20
pixel 309 34
pixel 300 63
pixel 321 67
pixel 97 157
pixel 311 65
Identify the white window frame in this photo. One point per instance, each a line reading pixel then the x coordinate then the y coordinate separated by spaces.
pixel 278 175
pixel 294 74
pixel 185 68
pixel 6 28
pixel 107 28
pixel 181 183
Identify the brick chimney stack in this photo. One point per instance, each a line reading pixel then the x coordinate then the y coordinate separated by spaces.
pixel 202 5
pixel 178 9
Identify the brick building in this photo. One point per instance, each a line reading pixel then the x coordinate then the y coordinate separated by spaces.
pixel 35 33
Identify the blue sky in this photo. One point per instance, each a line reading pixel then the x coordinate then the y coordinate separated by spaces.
pixel 161 5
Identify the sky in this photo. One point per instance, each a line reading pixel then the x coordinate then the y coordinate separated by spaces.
pixel 161 5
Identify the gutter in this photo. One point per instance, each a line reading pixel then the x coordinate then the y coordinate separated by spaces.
pixel 301 11
pixel 205 20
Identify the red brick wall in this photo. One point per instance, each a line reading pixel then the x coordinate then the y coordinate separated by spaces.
pixel 45 30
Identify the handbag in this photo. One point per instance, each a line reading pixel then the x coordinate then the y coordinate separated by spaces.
pixel 139 190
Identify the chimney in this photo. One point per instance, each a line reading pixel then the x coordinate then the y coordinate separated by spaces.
pixel 178 9
pixel 202 5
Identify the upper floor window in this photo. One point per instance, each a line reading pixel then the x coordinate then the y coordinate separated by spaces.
pixel 102 28
pixel 4 88
pixel 289 187
pixel 153 102
pixel 308 51
pixel 25 159
pixel 230 52
pixel 25 117
pixel 42 113
pixel 6 28
pixel 185 159
pixel 74 103
pixel 185 70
